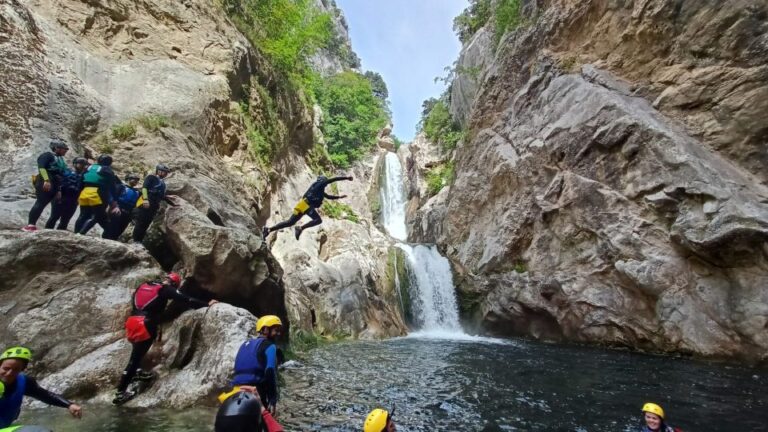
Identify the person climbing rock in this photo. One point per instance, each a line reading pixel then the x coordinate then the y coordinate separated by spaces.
pixel 129 197
pixel 653 415
pixel 379 420
pixel 149 302
pixel 99 193
pixel 71 186
pixel 17 384
pixel 152 192
pixel 51 168
pixel 242 411
pixel 257 360
pixel 308 205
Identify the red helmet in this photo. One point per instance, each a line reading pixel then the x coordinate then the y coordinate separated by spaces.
pixel 174 278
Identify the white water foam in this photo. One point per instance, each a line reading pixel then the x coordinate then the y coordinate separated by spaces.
pixel 392 195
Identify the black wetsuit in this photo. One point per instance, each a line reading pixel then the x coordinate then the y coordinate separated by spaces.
pixel 71 185
pixel 155 192
pixel 152 312
pixel 55 167
pixel 126 201
pixel 314 197
pixel 34 390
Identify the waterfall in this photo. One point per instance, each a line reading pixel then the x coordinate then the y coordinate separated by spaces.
pixel 432 292
pixel 392 195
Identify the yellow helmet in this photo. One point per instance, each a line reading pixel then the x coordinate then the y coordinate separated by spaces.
pixel 376 421
pixel 18 352
pixel 653 409
pixel 267 321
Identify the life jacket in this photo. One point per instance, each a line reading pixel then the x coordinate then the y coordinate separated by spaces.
pixel 10 403
pixel 72 183
pixel 93 176
pixel 146 294
pixel 128 198
pixel 251 361
pixel 156 193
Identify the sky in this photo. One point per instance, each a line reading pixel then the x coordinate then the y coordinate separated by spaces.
pixel 409 42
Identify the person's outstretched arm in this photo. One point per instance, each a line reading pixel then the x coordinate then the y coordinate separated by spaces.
pixel 174 294
pixel 335 179
pixel 270 422
pixel 333 197
pixel 34 390
pixel 270 377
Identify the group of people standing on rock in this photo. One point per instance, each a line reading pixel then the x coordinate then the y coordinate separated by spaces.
pixel 102 197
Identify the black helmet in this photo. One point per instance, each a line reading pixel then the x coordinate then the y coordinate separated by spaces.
pixel 130 177
pixel 162 167
pixel 79 160
pixel 57 144
pixel 104 160
pixel 322 178
pixel 241 412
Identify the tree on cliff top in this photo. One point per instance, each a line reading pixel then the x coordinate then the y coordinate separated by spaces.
pixel 352 116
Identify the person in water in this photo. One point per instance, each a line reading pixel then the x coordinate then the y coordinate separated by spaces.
pixel 99 194
pixel 653 415
pixel 149 302
pixel 153 192
pixel 51 168
pixel 257 359
pixel 65 205
pixel 379 420
pixel 242 411
pixel 16 384
pixel 128 199
pixel 308 205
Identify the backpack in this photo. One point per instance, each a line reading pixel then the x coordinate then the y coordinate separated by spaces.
pixel 146 294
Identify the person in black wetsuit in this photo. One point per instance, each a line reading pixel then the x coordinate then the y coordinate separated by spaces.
pixel 308 205
pixel 128 198
pixel 152 192
pixel 99 194
pixel 51 167
pixel 17 384
pixel 149 302
pixel 71 186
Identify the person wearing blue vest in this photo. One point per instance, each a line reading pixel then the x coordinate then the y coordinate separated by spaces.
pixel 71 186
pixel 17 384
pixel 99 193
pixel 152 192
pixel 256 361
pixel 127 201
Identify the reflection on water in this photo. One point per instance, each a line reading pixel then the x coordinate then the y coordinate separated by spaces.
pixel 442 385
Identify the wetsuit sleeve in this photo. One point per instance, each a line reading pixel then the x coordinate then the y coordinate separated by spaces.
pixel 331 197
pixel 335 179
pixel 270 375
pixel 115 189
pixel 34 390
pixel 271 423
pixel 44 163
pixel 174 294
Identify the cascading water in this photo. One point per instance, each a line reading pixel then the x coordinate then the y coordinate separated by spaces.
pixel 392 195
pixel 433 298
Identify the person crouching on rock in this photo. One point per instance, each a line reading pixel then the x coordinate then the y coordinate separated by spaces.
pixel 379 420
pixel 51 167
pixel 654 419
pixel 128 199
pixel 257 359
pixel 153 192
pixel 241 410
pixel 308 205
pixel 17 384
pixel 149 302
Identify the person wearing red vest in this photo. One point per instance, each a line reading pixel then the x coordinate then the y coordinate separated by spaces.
pixel 149 302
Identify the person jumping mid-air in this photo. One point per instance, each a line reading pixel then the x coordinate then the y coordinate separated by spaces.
pixel 308 205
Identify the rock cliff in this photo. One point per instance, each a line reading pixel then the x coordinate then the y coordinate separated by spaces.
pixel 173 82
pixel 611 187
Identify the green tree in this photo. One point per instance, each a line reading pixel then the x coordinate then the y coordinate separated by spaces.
pixel 439 127
pixel 352 116
pixel 472 19
pixel 378 85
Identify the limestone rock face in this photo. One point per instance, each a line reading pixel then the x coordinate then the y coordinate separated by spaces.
pixel 594 202
pixel 471 66
pixel 338 276
pixel 423 213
